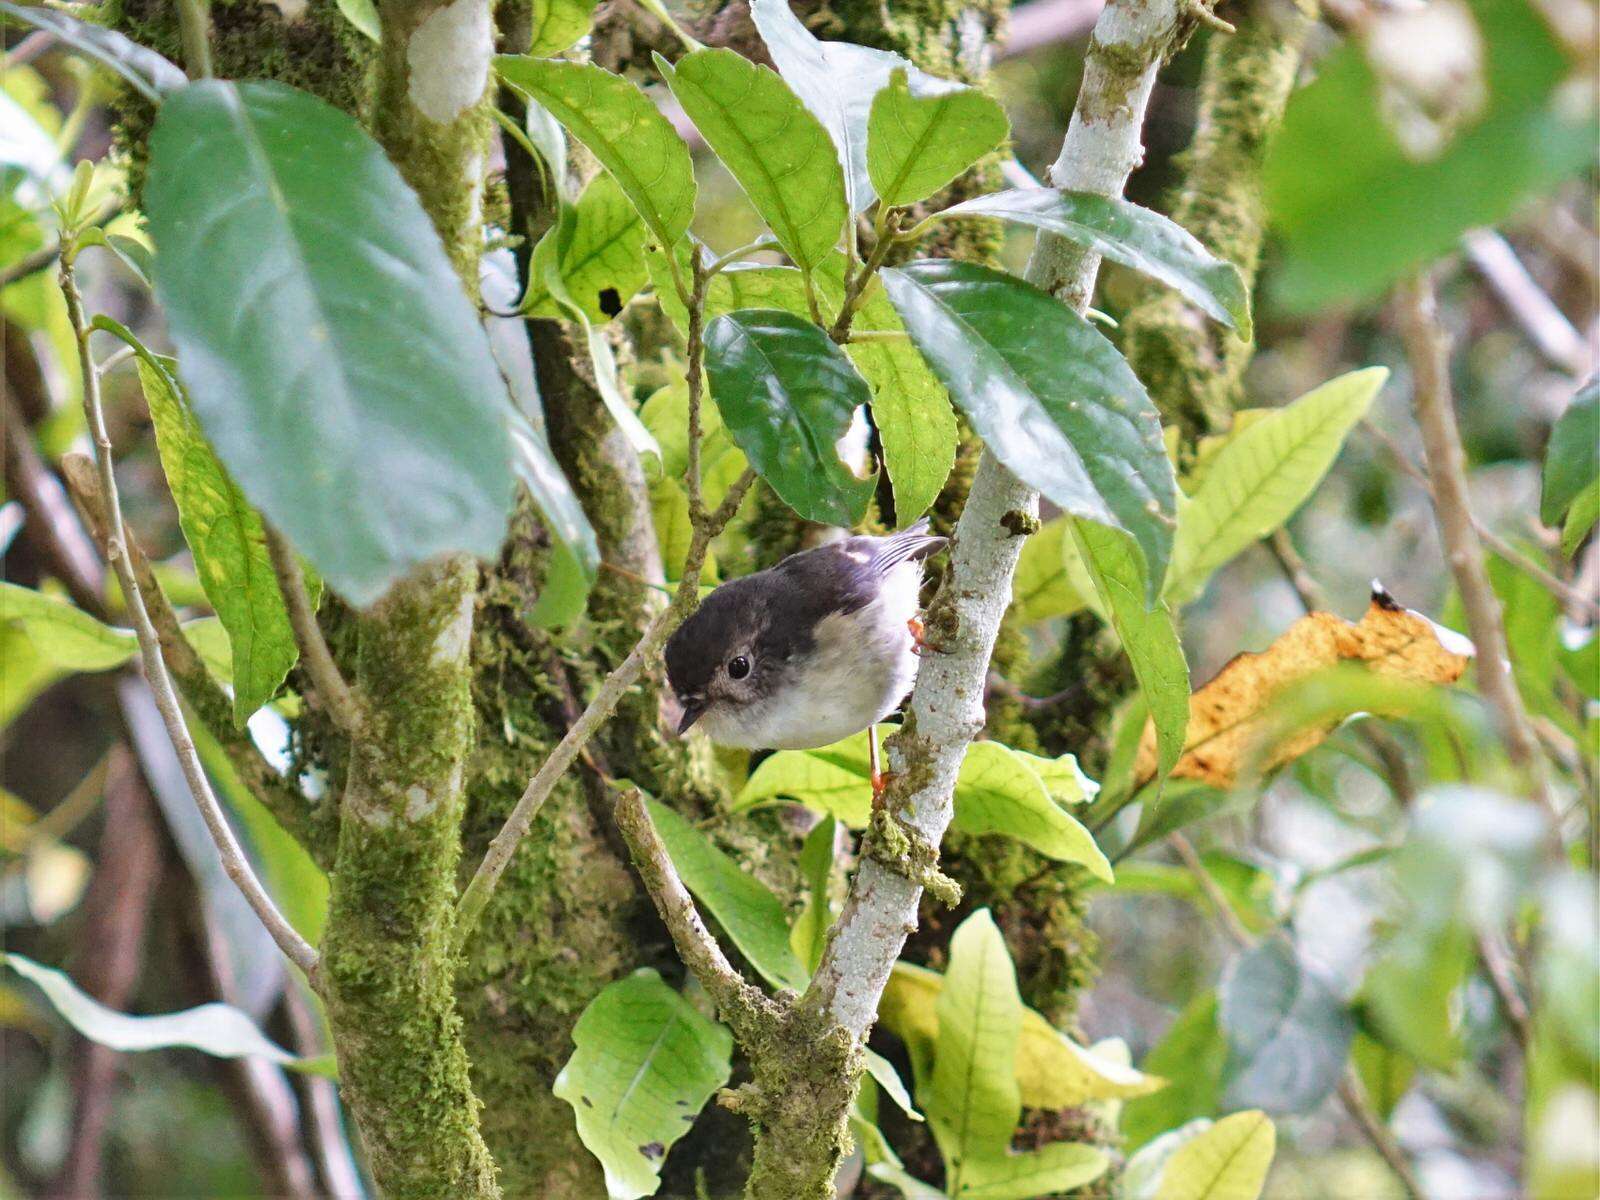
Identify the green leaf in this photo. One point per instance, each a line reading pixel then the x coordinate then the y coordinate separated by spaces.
pixel 1572 457
pixel 151 74
pixel 1050 579
pixel 779 152
pixel 787 396
pixel 577 555
pixel 1057 1167
pixel 621 128
pixel 363 14
pixel 1225 1161
pixel 973 1101
pixel 598 252
pixel 1049 395
pixel 908 1185
pixel 998 791
pixel 1581 517
pixel 1063 779
pixel 1148 635
pixel 810 931
pixel 1191 1055
pixel 217 1029
pixel 882 1070
pixel 1128 234
pixel 919 140
pixel 1355 209
pixel 1385 1073
pixel 832 779
pixel 752 916
pixel 372 434
pixel 837 82
pixel 225 535
pixel 645 1064
pixel 1288 1034
pixel 558 24
pixel 1260 476
pixel 63 635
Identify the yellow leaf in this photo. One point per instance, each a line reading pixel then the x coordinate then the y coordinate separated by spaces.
pixel 1229 715
pixel 1229 1161
pixel 1053 1071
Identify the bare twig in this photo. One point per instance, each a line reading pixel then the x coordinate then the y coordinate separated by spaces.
pixel 194 27
pixel 342 704
pixel 1428 349
pixel 209 702
pixel 340 1178
pixel 1544 325
pixel 51 521
pixel 735 996
pixel 1377 1133
pixel 234 862
pixel 1497 966
pixel 1213 892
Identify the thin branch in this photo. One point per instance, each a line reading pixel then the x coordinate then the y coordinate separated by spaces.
pixel 209 702
pixel 194 27
pixel 1428 348
pixel 615 685
pixel 1544 325
pixel 1378 1134
pixel 72 556
pixel 1497 966
pixel 234 862
pixel 342 704
pixel 1213 892
pixel 735 997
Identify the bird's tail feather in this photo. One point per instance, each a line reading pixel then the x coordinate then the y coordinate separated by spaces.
pixel 912 542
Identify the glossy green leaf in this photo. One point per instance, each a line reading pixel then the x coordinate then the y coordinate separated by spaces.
pixel 599 255
pixel 621 128
pixel 1262 475
pixel 224 534
pixel 882 1070
pixel 997 791
pixel 1227 1160
pixel 787 396
pixel 1148 635
pixel 150 73
pixel 63 634
pixel 775 148
pixel 1062 777
pixel 1051 398
pixel 1288 1034
pixel 217 1029
pixel 372 434
pixel 745 908
pixel 645 1063
pixel 363 14
pixel 837 82
pixel 1125 233
pixel 810 931
pixel 920 138
pixel 558 24
pixel 1572 457
pixel 831 779
pixel 1355 209
pixel 972 1100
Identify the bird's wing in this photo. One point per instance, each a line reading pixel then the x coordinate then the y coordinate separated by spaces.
pixel 912 542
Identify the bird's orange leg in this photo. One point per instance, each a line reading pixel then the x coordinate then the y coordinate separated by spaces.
pixel 919 644
pixel 880 779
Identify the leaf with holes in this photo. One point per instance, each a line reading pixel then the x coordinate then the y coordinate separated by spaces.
pixel 599 255
pixel 645 1063
pixel 787 395
pixel 778 151
pixel 920 137
pixel 1128 234
pixel 224 534
pixel 622 129
pixel 372 434
pixel 1051 398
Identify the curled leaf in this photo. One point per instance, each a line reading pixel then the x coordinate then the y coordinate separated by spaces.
pixel 1229 716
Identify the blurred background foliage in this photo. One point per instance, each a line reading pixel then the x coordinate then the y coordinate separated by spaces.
pixel 1388 901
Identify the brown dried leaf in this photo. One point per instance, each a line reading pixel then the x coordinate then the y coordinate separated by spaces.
pixel 1228 716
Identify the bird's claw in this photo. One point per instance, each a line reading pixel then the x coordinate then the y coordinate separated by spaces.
pixel 880 784
pixel 920 646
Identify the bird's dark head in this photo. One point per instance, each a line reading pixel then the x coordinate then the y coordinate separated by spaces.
pixel 715 659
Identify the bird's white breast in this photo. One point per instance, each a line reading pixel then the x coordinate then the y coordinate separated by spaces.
pixel 863 665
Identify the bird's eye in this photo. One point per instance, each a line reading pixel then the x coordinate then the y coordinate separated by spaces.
pixel 738 667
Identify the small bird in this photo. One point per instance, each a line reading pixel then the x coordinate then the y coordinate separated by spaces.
pixel 808 652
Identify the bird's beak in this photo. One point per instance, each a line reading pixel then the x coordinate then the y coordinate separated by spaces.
pixel 693 710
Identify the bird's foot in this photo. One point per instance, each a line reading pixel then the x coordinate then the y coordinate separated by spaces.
pixel 920 645
pixel 880 784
